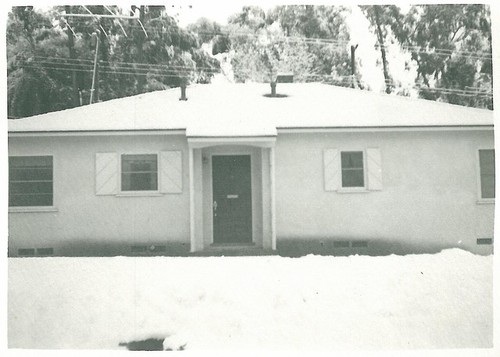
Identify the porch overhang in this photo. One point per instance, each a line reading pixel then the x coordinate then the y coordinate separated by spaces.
pixel 266 147
pixel 199 142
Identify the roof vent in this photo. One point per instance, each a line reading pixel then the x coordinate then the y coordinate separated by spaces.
pixel 183 92
pixel 284 78
pixel 280 78
pixel 273 89
pixel 183 81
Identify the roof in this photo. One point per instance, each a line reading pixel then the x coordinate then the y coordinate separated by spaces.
pixel 244 110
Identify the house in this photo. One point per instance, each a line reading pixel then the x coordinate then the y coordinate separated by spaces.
pixel 232 170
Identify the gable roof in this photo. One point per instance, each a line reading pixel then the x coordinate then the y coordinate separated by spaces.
pixel 244 110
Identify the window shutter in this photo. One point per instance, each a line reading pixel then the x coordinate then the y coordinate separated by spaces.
pixel 374 164
pixel 171 172
pixel 106 173
pixel 331 163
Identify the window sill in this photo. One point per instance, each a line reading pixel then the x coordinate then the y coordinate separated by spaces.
pixel 33 209
pixel 353 190
pixel 140 194
pixel 486 201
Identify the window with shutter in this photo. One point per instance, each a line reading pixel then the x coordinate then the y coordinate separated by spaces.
pixel 352 171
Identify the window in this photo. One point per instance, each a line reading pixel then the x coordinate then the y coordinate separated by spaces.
pixel 487 173
pixel 140 172
pixel 30 181
pixel 352 169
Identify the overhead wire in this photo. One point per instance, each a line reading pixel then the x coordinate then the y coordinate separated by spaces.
pixel 471 91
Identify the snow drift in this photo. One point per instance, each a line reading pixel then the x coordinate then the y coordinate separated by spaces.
pixel 314 302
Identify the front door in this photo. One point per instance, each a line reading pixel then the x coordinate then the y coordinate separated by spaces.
pixel 232 198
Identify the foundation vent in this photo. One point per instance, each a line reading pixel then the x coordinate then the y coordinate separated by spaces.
pixel 359 244
pixel 484 241
pixel 350 244
pixel 26 252
pixel 45 251
pixel 341 244
pixel 32 252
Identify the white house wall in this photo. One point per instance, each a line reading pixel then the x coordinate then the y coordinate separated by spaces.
pixel 87 224
pixel 429 198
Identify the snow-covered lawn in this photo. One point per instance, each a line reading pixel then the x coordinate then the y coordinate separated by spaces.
pixel 359 302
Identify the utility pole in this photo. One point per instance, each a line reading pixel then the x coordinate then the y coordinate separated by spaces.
pixel 353 65
pixel 98 17
pixel 95 79
pixel 139 43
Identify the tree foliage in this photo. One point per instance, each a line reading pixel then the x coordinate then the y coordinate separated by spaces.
pixel 131 60
pixel 50 57
pixel 450 45
pixel 280 41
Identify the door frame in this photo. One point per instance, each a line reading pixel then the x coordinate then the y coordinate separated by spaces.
pixel 252 199
pixel 232 152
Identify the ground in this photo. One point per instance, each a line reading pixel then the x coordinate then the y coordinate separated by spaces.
pixel 426 301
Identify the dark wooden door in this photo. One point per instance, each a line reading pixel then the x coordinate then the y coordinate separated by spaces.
pixel 232 198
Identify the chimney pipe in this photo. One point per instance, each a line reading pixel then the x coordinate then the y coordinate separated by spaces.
pixel 273 89
pixel 183 91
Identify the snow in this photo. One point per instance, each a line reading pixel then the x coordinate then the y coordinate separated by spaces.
pixel 253 303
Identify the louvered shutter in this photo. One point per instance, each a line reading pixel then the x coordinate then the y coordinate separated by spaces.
pixel 106 174
pixel 331 168
pixel 171 172
pixel 374 165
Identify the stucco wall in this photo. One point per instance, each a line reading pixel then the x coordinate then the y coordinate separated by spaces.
pixel 85 223
pixel 429 198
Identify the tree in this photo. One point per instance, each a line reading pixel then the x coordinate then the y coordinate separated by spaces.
pixel 327 26
pixel 48 67
pixel 382 18
pixel 30 90
pixel 451 45
pixel 303 40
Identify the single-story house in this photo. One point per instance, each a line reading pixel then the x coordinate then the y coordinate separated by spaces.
pixel 233 170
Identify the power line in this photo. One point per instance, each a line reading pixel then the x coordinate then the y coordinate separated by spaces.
pixel 471 92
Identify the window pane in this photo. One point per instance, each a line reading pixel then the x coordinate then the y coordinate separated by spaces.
pixel 139 173
pixel 352 169
pixel 30 173
pixel 353 178
pixel 352 159
pixel 30 161
pixel 139 182
pixel 32 187
pixel 28 200
pixel 487 168
pixel 30 181
pixel 135 163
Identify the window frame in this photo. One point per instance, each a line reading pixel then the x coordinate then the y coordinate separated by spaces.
pixel 23 209
pixel 346 189
pixel 122 192
pixel 480 198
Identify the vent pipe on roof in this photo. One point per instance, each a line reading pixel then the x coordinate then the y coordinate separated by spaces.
pixel 273 89
pixel 183 85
